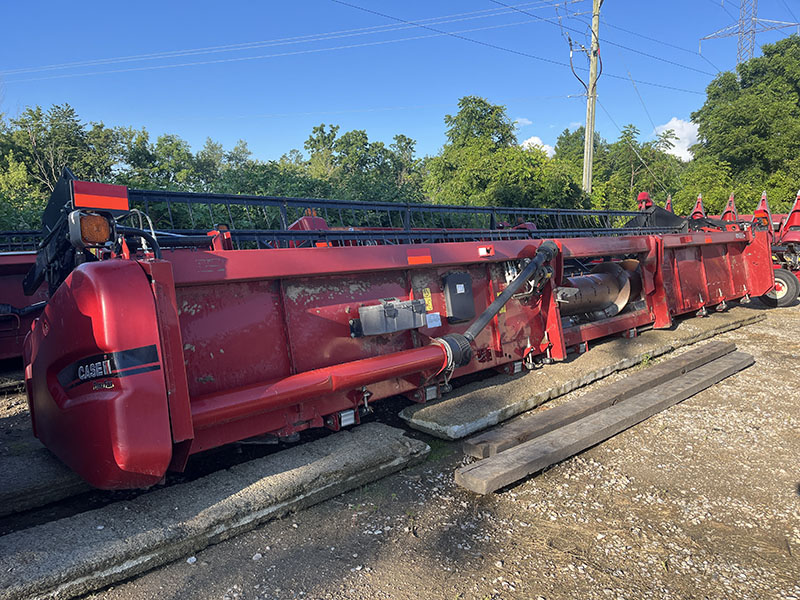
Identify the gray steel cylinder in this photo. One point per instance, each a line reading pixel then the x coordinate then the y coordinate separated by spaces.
pixel 604 292
pixel 596 291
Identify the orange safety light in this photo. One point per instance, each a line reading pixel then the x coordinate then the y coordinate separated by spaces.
pixel 89 230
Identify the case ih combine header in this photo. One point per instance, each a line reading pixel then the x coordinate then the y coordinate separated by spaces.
pixel 17 311
pixel 175 336
pixel 784 232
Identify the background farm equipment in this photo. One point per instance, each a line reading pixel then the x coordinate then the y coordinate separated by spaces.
pixel 784 230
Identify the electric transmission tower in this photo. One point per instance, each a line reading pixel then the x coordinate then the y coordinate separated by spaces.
pixel 746 29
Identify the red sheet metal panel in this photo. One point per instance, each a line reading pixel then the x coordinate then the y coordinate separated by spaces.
pixel 96 387
pixel 594 331
pixel 14 328
pixel 717 272
pixel 758 265
pixel 103 196
pixel 234 334
pixel 318 313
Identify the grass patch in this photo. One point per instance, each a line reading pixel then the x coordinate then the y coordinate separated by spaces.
pixel 440 449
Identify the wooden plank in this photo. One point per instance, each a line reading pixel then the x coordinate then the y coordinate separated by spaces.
pixel 538 423
pixel 12 386
pixel 490 474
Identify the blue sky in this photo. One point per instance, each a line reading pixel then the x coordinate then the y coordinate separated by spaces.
pixel 268 72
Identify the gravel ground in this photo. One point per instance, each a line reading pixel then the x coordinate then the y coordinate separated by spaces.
pixel 15 421
pixel 700 501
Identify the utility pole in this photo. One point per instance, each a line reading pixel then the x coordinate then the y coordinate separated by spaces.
pixel 591 99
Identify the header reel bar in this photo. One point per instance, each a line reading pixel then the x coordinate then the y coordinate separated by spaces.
pixel 19 241
pixel 273 222
pixel 81 221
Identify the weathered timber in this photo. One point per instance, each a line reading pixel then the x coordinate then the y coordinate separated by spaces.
pixel 540 422
pixel 490 474
pixel 483 404
pixel 12 386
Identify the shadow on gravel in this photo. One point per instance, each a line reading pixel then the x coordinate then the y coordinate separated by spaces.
pixel 10 369
pixel 756 304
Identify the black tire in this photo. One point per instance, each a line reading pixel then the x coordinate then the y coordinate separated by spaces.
pixel 787 287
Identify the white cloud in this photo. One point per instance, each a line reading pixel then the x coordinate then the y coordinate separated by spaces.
pixel 687 136
pixel 575 124
pixel 522 122
pixel 536 142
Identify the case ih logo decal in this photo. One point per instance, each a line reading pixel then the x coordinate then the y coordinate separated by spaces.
pixel 113 364
pixel 96 369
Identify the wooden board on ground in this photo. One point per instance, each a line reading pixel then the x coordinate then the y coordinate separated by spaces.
pixel 540 422
pixel 490 474
pixel 12 386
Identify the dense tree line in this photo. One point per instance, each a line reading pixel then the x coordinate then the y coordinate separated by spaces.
pixel 749 130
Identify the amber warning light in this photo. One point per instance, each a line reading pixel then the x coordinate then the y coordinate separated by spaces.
pixel 90 230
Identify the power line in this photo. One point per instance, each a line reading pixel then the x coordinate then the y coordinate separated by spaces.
pixel 650 118
pixel 659 85
pixel 721 4
pixel 375 29
pixel 437 33
pixel 635 151
pixel 652 39
pixel 509 50
pixel 455 35
pixel 789 9
pixel 605 41
pixel 374 109
pixel 276 55
pixel 644 105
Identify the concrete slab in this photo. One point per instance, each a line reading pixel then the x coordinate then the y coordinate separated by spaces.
pixel 73 556
pixel 30 476
pixel 35 478
pixel 484 404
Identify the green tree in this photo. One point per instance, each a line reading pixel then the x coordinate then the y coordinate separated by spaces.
pixel 239 155
pixel 569 146
pixel 320 146
pixel 708 177
pixel 208 164
pixel 49 141
pixel 629 166
pixel 751 122
pixel 482 164
pixel 20 200
pixel 477 119
pixel 408 170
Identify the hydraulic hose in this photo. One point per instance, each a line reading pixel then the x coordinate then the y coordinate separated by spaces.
pixel 459 345
pixel 8 309
pixel 546 252
pixel 143 234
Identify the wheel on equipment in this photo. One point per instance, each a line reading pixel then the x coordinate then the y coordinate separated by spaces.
pixel 786 289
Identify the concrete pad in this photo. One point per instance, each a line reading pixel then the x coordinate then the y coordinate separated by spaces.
pixel 484 404
pixel 30 475
pixel 35 478
pixel 73 556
